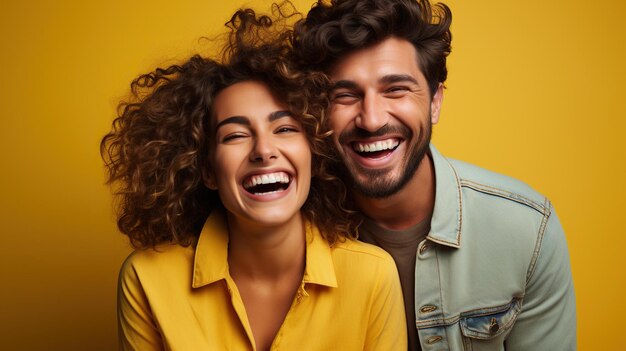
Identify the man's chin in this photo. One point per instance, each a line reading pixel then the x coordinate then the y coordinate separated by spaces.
pixel 378 185
pixel 385 182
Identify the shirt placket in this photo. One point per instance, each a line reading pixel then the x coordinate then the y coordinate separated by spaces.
pixel 238 306
pixel 428 304
pixel 300 294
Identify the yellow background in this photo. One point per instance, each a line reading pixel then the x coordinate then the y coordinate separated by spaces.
pixel 535 92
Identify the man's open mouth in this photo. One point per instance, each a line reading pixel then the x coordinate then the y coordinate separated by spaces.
pixel 376 149
pixel 266 184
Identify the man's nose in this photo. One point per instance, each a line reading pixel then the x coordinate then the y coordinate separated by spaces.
pixel 263 149
pixel 373 114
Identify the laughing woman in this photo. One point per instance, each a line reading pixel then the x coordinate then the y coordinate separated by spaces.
pixel 242 240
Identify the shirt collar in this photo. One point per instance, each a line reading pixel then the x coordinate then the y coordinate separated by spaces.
pixel 319 262
pixel 211 258
pixel 445 225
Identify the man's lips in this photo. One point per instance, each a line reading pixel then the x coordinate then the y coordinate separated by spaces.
pixel 377 153
pixel 374 145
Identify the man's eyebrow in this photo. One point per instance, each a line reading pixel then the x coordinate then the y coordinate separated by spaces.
pixel 397 78
pixel 388 79
pixel 234 119
pixel 344 84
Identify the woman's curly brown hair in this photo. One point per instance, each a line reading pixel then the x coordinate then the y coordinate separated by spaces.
pixel 158 147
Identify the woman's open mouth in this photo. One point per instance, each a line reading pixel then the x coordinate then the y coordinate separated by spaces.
pixel 267 184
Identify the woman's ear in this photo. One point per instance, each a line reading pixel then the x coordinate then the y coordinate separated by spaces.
pixel 209 180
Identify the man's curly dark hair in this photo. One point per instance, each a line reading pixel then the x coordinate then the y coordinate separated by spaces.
pixel 333 29
pixel 158 149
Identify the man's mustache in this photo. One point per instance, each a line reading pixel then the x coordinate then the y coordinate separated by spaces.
pixel 358 133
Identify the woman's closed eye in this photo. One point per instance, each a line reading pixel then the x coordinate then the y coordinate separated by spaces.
pixel 233 137
pixel 287 129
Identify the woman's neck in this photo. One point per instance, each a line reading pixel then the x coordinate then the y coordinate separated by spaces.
pixel 267 265
pixel 266 253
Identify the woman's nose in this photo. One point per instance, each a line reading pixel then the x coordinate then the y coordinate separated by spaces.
pixel 263 149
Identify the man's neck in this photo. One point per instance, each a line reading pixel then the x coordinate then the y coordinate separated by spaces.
pixel 409 206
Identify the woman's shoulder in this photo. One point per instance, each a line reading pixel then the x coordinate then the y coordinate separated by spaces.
pixel 359 248
pixel 364 267
pixel 364 255
pixel 162 259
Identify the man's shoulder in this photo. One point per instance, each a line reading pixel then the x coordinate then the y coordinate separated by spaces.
pixel 482 181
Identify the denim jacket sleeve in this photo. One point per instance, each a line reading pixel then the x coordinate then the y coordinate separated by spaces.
pixel 547 320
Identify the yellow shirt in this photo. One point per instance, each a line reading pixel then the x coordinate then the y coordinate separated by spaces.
pixel 183 298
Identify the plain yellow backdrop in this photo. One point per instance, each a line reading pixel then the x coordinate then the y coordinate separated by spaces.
pixel 535 91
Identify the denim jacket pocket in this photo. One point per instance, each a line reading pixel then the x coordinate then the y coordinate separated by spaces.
pixel 486 328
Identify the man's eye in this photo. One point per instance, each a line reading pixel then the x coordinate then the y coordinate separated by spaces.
pixel 343 98
pixel 397 90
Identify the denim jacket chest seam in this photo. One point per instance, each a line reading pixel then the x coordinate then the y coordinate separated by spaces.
pixel 544 209
pixel 541 208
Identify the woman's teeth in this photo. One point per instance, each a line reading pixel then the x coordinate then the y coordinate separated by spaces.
pixel 265 184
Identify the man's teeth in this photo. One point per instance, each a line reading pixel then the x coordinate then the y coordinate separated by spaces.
pixel 270 178
pixel 377 146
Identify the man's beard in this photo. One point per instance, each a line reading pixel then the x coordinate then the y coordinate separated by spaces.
pixel 374 183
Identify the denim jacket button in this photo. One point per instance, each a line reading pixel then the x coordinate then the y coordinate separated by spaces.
pixel 423 249
pixel 434 339
pixel 494 327
pixel 427 308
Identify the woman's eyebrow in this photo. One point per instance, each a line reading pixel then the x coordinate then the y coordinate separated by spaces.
pixel 279 114
pixel 245 121
pixel 234 119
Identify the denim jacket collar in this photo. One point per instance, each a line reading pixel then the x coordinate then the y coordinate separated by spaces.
pixel 211 258
pixel 445 225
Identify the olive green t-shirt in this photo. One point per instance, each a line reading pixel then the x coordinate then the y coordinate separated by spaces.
pixel 402 246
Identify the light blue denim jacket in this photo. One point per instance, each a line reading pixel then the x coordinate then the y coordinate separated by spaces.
pixel 494 271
